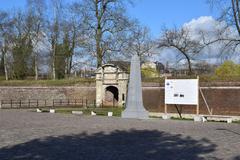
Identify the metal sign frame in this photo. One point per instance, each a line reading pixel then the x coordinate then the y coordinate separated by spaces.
pixel 182 92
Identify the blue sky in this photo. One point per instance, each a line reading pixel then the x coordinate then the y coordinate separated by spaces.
pixel 157 13
pixel 153 13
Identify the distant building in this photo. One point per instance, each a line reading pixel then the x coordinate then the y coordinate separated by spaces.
pixel 198 68
pixel 158 66
pixel 149 65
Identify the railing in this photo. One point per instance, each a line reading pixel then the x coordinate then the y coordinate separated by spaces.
pixel 74 102
pixel 35 103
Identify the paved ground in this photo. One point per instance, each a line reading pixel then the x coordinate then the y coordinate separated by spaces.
pixel 45 136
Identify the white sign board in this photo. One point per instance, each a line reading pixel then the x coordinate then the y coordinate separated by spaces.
pixel 181 91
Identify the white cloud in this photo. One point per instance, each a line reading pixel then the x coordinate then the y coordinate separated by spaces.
pixel 209 25
pixel 205 23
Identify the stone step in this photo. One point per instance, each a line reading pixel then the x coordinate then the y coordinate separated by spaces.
pixel 228 119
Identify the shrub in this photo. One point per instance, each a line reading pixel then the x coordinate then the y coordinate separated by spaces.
pixel 228 69
pixel 149 73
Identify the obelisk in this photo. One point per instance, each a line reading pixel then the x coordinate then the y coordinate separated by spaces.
pixel 134 104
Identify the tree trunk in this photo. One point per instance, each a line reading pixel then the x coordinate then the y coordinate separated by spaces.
pixel 98 46
pixel 98 36
pixel 70 65
pixel 188 60
pixel 36 66
pixel 5 66
pixel 66 67
pixel 4 51
pixel 189 66
pixel 53 63
pixel 99 59
pixel 235 8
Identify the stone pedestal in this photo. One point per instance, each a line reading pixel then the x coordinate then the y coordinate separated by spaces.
pixel 134 103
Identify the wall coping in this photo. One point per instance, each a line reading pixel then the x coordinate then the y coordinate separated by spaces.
pixel 88 87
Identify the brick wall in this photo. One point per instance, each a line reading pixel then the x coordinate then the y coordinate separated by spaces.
pixel 225 101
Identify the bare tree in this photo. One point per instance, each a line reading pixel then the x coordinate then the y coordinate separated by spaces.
pixel 140 42
pixel 103 20
pixel 236 14
pixel 22 46
pixel 54 32
pixel 6 26
pixel 229 35
pixel 36 23
pixel 229 11
pixel 181 41
pixel 73 36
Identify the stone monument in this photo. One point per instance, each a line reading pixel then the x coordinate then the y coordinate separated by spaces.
pixel 134 104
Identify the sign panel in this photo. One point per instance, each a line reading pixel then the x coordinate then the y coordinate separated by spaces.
pixel 181 91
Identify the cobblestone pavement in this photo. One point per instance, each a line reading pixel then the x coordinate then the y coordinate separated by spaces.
pixel 44 136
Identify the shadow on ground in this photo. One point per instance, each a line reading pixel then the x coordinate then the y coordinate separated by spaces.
pixel 127 145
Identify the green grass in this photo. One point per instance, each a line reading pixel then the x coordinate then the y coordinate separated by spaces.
pixel 87 111
pixel 62 82
pixel 87 81
pixel 203 78
pixel 236 122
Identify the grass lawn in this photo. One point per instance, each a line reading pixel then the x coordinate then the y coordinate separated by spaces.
pixel 62 82
pixel 88 81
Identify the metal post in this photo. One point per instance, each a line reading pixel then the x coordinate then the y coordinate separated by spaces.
pixel 197 111
pixel 165 105
pixel 165 108
pixel 11 103
pixel 45 103
pixel 28 103
pixel 37 102
pixel 20 103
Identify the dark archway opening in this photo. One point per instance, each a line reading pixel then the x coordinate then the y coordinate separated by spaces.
pixel 111 96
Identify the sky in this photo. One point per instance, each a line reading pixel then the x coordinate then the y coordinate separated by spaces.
pixel 153 13
pixel 156 14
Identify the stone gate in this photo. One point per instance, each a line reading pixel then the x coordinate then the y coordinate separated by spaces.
pixel 111 85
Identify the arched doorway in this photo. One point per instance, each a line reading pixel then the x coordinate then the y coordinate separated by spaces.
pixel 111 96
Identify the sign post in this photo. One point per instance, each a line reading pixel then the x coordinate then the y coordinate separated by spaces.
pixel 182 92
pixel 197 113
pixel 165 116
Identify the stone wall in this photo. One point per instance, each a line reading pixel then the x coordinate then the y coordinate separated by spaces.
pixel 47 93
pixel 223 100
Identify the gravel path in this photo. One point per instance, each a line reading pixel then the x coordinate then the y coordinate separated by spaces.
pixel 45 136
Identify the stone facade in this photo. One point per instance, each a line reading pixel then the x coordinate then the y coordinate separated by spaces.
pixel 111 78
